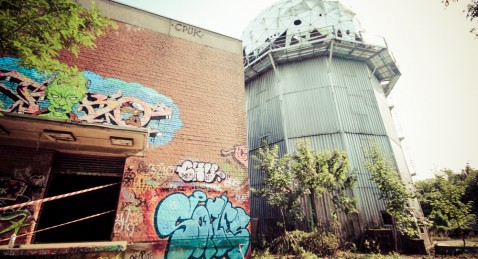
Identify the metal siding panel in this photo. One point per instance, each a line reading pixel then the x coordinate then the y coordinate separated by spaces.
pixel 401 163
pixel 310 113
pixel 355 97
pixel 386 116
pixel 263 114
pixel 307 98
pixel 304 75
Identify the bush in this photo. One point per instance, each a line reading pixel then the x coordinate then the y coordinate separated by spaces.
pixel 289 243
pixel 308 255
pixel 304 244
pixel 262 254
pixel 321 243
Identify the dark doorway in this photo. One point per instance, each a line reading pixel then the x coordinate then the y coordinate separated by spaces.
pixel 66 177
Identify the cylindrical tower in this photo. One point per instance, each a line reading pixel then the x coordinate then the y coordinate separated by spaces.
pixel 311 73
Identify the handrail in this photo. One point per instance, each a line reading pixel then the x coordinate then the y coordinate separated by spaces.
pixel 311 37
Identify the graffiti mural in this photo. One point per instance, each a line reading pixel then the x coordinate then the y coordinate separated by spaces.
pixel 191 171
pixel 239 153
pixel 202 227
pixel 90 98
pixel 12 191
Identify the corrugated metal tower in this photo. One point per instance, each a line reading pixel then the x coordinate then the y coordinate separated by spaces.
pixel 311 73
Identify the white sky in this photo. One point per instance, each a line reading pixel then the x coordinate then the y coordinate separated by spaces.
pixel 436 98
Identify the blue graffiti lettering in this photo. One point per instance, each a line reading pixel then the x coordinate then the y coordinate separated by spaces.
pixel 201 227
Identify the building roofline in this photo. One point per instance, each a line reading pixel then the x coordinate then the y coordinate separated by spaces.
pixel 174 28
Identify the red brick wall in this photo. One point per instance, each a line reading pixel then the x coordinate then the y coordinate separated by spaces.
pixel 206 84
pixel 192 180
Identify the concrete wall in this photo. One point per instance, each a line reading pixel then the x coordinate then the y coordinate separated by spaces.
pixel 187 89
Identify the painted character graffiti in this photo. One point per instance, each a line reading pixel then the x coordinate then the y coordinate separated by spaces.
pixel 63 95
pixel 88 97
pixel 202 227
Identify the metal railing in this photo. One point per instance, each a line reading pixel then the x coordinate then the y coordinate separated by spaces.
pixel 313 37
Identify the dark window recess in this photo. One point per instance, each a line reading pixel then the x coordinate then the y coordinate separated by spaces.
pixel 387 218
pixel 72 173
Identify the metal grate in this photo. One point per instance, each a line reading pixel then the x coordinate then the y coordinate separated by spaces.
pixel 88 165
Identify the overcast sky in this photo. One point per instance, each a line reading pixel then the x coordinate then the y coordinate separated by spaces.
pixel 436 97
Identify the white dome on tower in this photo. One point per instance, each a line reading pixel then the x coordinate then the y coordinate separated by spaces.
pixel 300 17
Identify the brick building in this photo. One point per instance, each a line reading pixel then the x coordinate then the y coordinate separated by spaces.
pixel 152 145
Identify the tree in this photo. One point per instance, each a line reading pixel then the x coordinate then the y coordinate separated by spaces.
pixel 278 186
pixel 288 179
pixel 449 211
pixel 393 191
pixel 36 30
pixel 448 201
pixel 471 11
pixel 325 173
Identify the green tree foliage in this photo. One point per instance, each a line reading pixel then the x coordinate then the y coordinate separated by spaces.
pixel 448 200
pixel 325 173
pixel 36 30
pixel 470 179
pixel 392 190
pixel 471 11
pixel 278 185
pixel 288 179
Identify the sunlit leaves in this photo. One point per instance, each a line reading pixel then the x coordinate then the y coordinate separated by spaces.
pixel 392 190
pixel 447 200
pixel 36 30
pixel 289 178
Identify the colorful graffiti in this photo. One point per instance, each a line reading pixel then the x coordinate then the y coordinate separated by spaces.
pixel 200 172
pixel 88 98
pixel 201 227
pixel 146 177
pixel 239 153
pixel 142 255
pixel 13 192
pixel 123 224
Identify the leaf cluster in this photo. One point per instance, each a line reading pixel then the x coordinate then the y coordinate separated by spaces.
pixel 36 30
pixel 449 200
pixel 287 179
pixel 471 11
pixel 325 173
pixel 278 185
pixel 392 190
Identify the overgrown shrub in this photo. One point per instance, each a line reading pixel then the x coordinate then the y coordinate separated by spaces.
pixel 308 255
pixel 289 243
pixel 304 244
pixel 371 246
pixel 258 254
pixel 321 243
